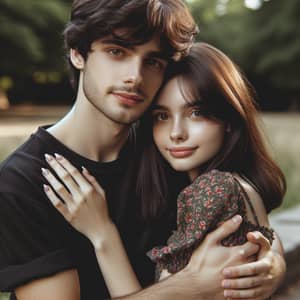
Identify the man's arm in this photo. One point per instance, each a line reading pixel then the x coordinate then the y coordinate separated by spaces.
pixel 61 286
pixel 200 279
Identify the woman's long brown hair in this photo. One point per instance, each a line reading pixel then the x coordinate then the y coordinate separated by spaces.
pixel 209 79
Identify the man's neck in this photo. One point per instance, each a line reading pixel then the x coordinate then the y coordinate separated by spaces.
pixel 89 133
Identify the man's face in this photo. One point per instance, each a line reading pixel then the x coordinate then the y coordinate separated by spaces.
pixel 121 81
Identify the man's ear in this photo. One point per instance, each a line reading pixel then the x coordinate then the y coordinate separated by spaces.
pixel 76 59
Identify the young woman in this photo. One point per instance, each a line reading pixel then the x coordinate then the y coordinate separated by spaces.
pixel 204 124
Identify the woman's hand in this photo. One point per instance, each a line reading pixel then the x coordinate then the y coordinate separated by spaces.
pixel 86 209
pixel 84 203
pixel 255 280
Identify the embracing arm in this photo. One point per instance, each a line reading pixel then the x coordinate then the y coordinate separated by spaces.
pixel 201 278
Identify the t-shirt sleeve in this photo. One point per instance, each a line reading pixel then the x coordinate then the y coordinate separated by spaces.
pixel 32 243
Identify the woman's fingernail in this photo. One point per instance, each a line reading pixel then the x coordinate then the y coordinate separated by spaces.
pixel 46 187
pixel 237 219
pixel 58 156
pixel 48 157
pixel 45 171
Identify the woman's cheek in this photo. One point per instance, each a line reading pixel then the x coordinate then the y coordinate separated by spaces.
pixel 159 135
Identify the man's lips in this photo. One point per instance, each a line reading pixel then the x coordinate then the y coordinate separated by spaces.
pixel 128 98
pixel 181 152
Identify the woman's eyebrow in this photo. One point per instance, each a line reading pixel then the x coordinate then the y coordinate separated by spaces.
pixel 158 106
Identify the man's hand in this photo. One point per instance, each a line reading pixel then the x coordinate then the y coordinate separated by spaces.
pixel 257 280
pixel 210 258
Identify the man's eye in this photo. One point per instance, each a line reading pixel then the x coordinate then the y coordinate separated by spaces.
pixel 116 52
pixel 160 116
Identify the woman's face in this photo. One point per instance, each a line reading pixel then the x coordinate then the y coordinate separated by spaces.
pixel 184 137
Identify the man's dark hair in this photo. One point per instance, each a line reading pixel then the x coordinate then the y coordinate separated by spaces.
pixel 170 20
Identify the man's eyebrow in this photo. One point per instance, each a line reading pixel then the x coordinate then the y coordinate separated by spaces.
pixel 118 42
pixel 128 45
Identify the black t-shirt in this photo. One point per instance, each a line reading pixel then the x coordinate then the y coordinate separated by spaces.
pixel 36 241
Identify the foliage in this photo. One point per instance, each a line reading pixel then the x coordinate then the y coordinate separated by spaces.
pixel 31 30
pixel 264 42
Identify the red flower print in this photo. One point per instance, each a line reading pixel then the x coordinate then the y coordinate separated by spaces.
pixel 188 218
pixel 202 225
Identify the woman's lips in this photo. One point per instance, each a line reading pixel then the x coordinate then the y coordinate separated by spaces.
pixel 181 152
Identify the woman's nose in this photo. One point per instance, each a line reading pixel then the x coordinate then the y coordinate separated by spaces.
pixel 178 131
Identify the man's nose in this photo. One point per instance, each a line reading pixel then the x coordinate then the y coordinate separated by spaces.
pixel 178 131
pixel 134 73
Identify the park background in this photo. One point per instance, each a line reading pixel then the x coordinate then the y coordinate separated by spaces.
pixel 262 37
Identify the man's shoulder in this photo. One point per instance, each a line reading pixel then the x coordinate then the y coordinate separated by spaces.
pixel 23 167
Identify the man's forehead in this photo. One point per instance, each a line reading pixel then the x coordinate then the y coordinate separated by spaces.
pixel 123 38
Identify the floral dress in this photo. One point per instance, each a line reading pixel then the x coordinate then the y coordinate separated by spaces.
pixel 212 198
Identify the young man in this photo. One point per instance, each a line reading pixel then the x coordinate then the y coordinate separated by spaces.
pixel 119 51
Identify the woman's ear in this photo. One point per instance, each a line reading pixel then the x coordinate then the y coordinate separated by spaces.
pixel 76 59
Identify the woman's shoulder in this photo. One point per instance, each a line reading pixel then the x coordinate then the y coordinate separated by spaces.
pixel 215 177
pixel 214 181
pixel 255 200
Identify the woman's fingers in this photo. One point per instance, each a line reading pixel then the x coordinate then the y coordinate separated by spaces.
pixel 93 181
pixel 63 175
pixel 73 172
pixel 58 187
pixel 57 203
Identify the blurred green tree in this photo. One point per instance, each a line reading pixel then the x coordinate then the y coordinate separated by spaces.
pixel 264 42
pixel 30 35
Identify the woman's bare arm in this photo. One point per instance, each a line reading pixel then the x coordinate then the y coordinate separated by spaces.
pixel 85 208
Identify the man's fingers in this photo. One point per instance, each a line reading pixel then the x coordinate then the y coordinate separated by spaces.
pixel 244 283
pixel 225 229
pixel 247 250
pixel 250 269
pixel 254 293
pixel 258 238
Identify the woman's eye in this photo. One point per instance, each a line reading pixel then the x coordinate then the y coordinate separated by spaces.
pixel 160 117
pixel 152 62
pixel 196 113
